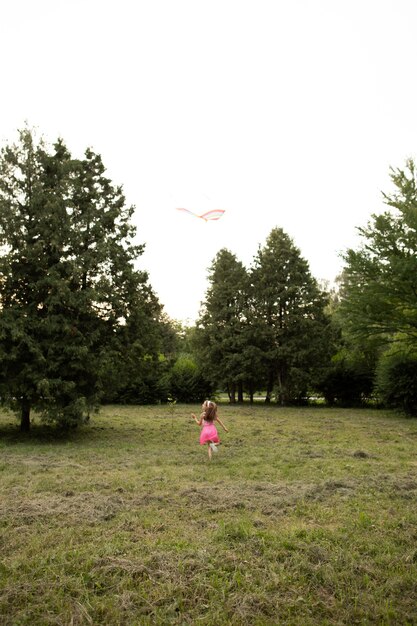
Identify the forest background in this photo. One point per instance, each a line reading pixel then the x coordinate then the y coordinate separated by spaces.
pixel 80 325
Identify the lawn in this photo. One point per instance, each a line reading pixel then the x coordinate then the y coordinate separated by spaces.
pixel 304 516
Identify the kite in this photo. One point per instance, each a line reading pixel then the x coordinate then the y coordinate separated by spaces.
pixel 210 215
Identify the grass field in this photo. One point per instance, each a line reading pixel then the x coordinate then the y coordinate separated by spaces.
pixel 305 516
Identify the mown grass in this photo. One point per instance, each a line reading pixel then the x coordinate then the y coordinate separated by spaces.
pixel 305 516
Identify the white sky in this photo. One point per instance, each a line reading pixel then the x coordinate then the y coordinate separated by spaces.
pixel 285 113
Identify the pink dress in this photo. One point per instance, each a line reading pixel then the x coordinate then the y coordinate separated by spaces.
pixel 208 433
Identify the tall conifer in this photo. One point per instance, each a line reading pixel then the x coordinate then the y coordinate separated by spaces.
pixel 68 287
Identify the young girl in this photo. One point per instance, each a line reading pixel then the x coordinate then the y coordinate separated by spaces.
pixel 209 433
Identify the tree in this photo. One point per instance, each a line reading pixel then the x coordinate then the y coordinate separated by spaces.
pixel 348 377
pixel 68 287
pixel 135 365
pixel 379 292
pixel 291 326
pixel 219 335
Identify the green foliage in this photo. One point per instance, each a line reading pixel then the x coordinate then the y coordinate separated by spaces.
pixel 348 378
pixel 346 383
pixel 397 379
pixel 221 338
pixel 378 306
pixel 187 383
pixel 141 381
pixel 266 327
pixel 69 291
pixel 379 290
pixel 288 316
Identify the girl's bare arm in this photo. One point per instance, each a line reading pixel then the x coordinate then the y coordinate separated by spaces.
pixel 221 424
pixel 199 422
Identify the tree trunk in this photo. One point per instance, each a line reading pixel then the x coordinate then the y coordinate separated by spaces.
pixel 282 392
pixel 269 388
pixel 251 392
pixel 231 390
pixel 25 417
pixel 240 392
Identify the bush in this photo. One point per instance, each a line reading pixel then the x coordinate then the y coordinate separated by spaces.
pixel 346 384
pixel 145 383
pixel 396 380
pixel 187 384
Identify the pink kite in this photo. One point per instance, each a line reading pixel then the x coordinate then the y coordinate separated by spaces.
pixel 210 215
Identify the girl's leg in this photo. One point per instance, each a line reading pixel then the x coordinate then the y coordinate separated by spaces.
pixel 209 451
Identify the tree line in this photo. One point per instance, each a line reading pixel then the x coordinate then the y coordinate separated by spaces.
pixel 80 324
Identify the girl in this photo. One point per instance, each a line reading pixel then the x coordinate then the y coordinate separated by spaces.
pixel 209 433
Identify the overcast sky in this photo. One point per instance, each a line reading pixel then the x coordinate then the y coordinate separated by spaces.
pixel 283 113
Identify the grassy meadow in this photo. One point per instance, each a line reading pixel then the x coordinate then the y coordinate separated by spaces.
pixel 305 516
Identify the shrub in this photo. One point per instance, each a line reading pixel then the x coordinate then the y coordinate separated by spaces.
pixel 346 384
pixel 396 380
pixel 187 384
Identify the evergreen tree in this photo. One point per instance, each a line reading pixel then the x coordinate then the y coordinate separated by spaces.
pixel 68 287
pixel 219 336
pixel 288 311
